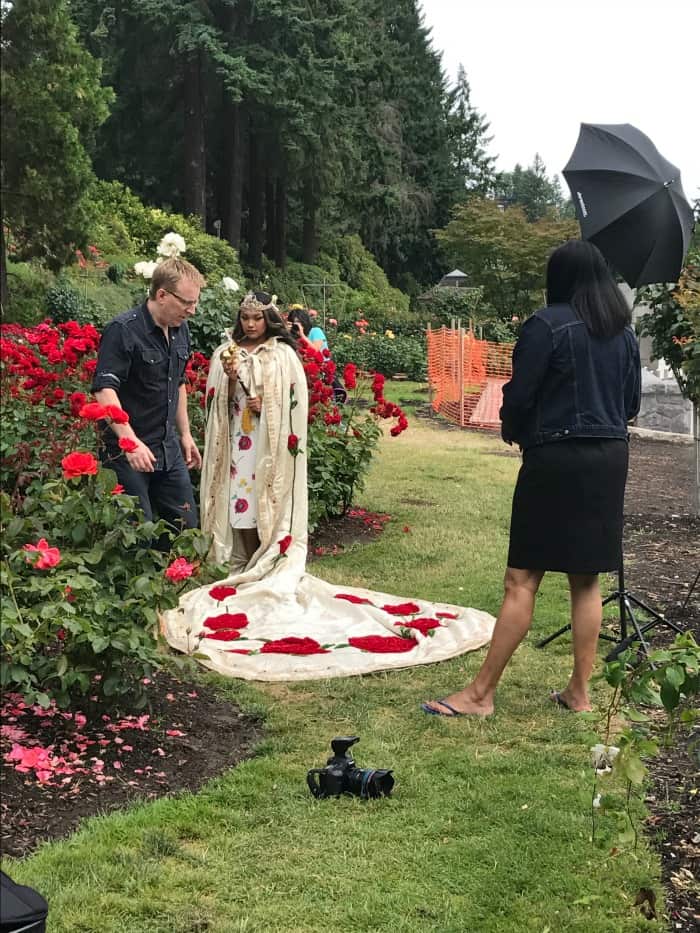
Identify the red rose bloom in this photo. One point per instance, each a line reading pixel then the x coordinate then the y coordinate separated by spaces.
pixel 402 609
pixel 244 442
pixel 79 464
pixel 48 556
pixel 222 592
pixel 293 645
pixel 293 444
pixel 357 600
pixel 118 490
pixel 382 644
pixel 284 544
pixel 350 376
pixel 180 569
pixel 127 445
pixel 93 411
pixel 117 414
pixel 227 620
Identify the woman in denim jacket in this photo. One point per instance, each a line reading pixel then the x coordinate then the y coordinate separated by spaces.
pixel 575 385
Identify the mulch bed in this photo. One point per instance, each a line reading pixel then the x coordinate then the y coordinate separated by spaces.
pixel 191 735
pixel 184 736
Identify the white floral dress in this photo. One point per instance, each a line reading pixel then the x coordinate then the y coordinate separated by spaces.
pixel 245 424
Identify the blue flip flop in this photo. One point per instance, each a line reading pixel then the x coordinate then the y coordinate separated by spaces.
pixel 436 712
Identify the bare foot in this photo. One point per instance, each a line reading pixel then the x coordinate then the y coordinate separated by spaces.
pixel 570 701
pixel 463 703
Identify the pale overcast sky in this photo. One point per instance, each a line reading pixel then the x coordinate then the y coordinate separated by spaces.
pixel 539 68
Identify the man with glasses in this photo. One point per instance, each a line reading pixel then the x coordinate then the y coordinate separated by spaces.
pixel 141 369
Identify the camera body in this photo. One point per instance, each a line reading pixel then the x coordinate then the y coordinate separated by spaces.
pixel 342 776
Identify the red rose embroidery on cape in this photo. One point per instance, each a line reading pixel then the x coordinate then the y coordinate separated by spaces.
pixel 421 625
pixel 222 592
pixel 402 609
pixel 293 645
pixel 227 620
pixel 358 600
pixel 382 644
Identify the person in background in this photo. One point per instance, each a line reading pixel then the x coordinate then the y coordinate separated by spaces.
pixel 307 333
pixel 141 368
pixel 576 384
pixel 304 329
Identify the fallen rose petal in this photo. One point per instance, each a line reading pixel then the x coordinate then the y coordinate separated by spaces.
pixel 174 732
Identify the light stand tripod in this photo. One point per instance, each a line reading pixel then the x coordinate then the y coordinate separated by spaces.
pixel 626 601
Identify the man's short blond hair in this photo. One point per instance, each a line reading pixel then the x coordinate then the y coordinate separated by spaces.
pixel 167 275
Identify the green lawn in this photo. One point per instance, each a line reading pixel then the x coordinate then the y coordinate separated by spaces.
pixel 489 826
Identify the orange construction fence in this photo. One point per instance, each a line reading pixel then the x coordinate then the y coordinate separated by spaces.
pixel 467 376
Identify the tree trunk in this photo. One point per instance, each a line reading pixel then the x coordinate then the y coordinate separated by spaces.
pixel 280 245
pixel 309 246
pixel 195 154
pixel 235 161
pixel 256 204
pixel 4 291
pixel 270 217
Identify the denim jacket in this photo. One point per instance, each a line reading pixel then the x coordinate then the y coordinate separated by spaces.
pixel 567 383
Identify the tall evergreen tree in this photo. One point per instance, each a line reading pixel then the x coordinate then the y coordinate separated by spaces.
pixel 468 141
pixel 532 189
pixel 52 104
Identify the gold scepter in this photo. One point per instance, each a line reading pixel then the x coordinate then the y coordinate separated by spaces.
pixel 230 355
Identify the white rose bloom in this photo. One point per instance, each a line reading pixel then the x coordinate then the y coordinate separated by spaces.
pixel 596 802
pixel 145 269
pixel 171 245
pixel 231 285
pixel 603 756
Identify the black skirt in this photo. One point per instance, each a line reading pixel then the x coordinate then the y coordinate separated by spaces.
pixel 568 505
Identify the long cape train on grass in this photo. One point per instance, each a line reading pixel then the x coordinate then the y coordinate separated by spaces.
pixel 273 621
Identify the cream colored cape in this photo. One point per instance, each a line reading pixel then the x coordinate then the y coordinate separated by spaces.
pixel 277 597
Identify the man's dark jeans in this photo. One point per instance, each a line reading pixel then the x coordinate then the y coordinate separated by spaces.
pixel 165 494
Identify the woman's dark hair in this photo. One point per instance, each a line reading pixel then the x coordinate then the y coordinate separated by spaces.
pixel 303 317
pixel 577 274
pixel 275 325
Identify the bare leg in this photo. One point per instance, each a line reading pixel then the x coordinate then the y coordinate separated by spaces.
pixel 512 625
pixel 586 618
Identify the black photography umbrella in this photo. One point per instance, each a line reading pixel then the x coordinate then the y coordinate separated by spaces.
pixel 629 202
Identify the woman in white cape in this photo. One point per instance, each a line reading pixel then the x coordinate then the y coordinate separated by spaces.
pixel 269 620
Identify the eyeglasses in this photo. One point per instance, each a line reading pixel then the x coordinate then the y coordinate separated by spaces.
pixel 185 302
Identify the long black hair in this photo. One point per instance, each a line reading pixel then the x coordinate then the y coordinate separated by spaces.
pixel 275 325
pixel 577 274
pixel 303 317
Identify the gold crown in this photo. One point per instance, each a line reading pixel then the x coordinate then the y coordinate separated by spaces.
pixel 251 303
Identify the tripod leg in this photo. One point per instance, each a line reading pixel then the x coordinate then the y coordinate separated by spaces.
pixel 546 641
pixel 691 590
pixel 657 618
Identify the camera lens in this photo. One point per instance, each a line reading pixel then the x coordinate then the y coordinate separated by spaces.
pixel 370 782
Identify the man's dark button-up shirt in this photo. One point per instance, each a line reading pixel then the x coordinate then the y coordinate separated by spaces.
pixel 146 371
